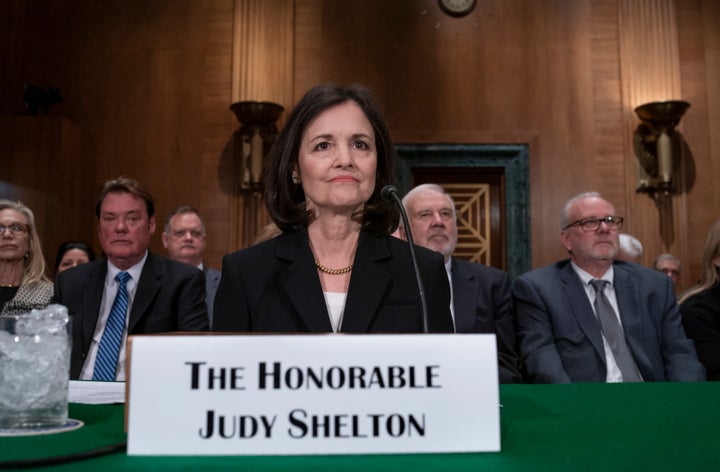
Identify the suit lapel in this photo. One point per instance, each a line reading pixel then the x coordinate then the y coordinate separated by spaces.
pixel 148 286
pixel 301 282
pixel 465 286
pixel 92 298
pixel 584 314
pixel 368 284
pixel 627 300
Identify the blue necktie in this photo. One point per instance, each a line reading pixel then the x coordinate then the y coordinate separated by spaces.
pixel 107 355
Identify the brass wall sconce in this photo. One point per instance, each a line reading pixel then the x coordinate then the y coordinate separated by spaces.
pixel 254 139
pixel 657 146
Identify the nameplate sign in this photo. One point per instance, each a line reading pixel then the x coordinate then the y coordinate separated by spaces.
pixel 312 394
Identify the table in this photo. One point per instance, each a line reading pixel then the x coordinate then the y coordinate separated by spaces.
pixel 578 427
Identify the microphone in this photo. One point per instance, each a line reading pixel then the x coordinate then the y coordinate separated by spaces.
pixel 389 194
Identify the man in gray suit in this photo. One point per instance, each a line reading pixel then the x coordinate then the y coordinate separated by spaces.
pixel 593 319
pixel 184 238
pixel 480 295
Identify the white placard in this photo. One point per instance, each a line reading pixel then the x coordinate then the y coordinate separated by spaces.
pixel 313 394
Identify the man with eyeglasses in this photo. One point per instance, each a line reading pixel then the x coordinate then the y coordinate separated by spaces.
pixel 184 238
pixel 130 291
pixel 592 318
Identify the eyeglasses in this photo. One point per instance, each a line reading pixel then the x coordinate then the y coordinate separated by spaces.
pixel 16 228
pixel 592 223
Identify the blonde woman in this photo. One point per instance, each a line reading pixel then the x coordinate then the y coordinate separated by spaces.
pixel 23 283
pixel 700 306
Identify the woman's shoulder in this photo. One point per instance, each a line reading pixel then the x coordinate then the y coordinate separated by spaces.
pixel 708 298
pixel 278 247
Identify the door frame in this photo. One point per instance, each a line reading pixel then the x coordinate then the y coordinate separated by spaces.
pixel 512 158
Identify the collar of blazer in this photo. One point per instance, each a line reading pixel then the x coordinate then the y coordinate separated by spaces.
pixel 626 294
pixel 368 282
pixel 147 287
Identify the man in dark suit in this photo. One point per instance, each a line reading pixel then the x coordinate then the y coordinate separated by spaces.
pixel 131 291
pixel 184 238
pixel 593 319
pixel 480 295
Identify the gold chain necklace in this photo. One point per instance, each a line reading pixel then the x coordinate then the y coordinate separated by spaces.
pixel 330 271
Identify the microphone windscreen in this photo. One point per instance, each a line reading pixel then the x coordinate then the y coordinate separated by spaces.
pixel 387 192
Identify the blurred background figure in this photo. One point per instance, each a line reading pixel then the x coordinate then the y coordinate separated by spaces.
pixel 630 249
pixel 23 283
pixel 71 254
pixel 700 306
pixel 185 238
pixel 668 264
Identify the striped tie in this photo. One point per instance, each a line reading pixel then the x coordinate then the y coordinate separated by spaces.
pixel 107 355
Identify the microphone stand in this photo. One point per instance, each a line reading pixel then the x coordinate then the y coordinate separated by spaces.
pixel 389 193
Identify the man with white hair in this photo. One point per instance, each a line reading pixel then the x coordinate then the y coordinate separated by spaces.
pixel 480 296
pixel 630 249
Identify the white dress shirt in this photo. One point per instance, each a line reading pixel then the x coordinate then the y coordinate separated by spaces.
pixel 109 294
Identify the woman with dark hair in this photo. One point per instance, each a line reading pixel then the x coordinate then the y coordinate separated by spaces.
pixel 700 306
pixel 334 267
pixel 23 283
pixel 71 254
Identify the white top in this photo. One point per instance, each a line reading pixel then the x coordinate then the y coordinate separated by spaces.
pixel 109 294
pixel 335 302
pixel 448 269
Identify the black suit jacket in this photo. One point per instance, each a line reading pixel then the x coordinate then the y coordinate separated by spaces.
pixel 212 280
pixel 483 304
pixel 274 287
pixel 560 339
pixel 701 320
pixel 170 296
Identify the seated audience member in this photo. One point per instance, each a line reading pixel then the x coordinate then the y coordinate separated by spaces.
pixel 629 249
pixel 131 291
pixel 669 265
pixel 184 238
pixel 71 254
pixel 334 268
pixel 23 283
pixel 480 297
pixel 700 306
pixel 592 318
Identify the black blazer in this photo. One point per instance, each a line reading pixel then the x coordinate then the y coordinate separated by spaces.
pixel 170 297
pixel 483 304
pixel 212 280
pixel 274 287
pixel 560 339
pixel 701 320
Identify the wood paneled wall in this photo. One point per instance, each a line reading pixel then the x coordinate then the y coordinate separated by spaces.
pixel 150 82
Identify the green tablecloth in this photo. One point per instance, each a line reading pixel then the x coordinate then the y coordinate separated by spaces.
pixel 662 426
